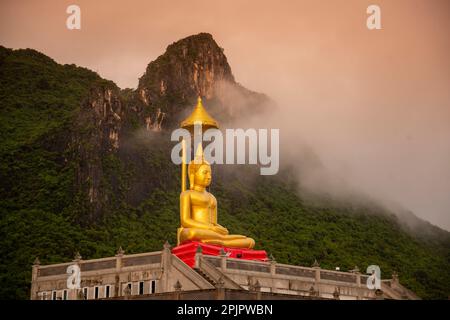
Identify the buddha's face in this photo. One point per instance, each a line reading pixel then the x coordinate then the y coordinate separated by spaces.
pixel 202 176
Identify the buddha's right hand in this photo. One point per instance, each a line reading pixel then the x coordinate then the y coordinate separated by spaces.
pixel 219 229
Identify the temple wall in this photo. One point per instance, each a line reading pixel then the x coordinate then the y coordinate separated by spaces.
pixel 162 274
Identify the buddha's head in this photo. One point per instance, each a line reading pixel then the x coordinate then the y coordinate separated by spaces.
pixel 199 173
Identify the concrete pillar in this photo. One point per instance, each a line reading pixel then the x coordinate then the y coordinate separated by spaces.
pixel 119 257
pixel 166 265
pixel 119 264
pixel 273 265
pixel 223 260
pixel 358 282
pixel 72 294
pixel 273 271
pixel 198 255
pixel 34 276
pixel 177 287
pixel 257 287
pixel 316 266
pixel 395 282
pixel 220 289
pixel 127 293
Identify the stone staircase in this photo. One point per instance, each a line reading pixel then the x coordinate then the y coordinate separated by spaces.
pixel 215 276
pixel 204 275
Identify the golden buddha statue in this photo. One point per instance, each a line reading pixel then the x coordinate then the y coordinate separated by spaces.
pixel 198 207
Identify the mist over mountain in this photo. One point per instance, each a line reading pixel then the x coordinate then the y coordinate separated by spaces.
pixel 86 167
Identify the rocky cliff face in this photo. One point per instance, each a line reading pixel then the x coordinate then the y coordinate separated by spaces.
pixel 96 133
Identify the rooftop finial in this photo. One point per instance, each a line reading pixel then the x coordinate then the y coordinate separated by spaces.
pixel 272 258
pixel 77 256
pixel 316 264
pixel 336 293
pixel 166 245
pixel 177 286
pixel 355 270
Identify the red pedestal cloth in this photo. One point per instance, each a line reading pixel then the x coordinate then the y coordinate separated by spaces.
pixel 186 252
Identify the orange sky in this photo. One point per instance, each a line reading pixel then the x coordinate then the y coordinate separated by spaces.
pixel 374 104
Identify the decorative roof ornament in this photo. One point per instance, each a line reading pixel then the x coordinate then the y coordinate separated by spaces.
pixel 199 115
pixel 177 286
pixel 312 291
pixel 316 264
pixel 220 282
pixel 395 276
pixel 81 295
pixel 77 256
pixel 257 286
pixel 336 293
pixel 36 262
pixel 166 245
pixel 379 294
pixel 355 270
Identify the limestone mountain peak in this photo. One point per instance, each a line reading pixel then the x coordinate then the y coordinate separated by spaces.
pixel 189 67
